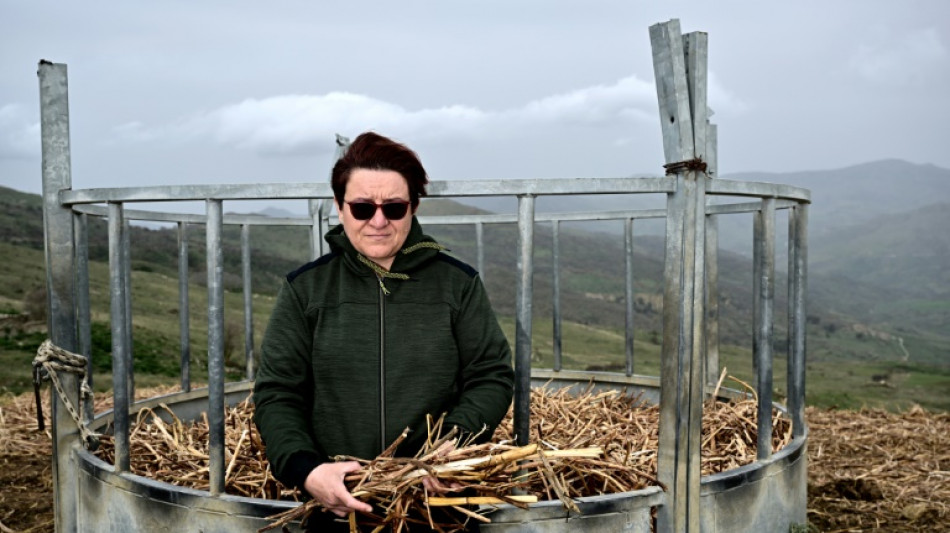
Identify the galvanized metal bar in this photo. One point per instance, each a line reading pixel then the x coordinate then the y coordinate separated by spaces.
pixel 672 94
pixel 306 191
pixel 757 233
pixel 194 218
pixel 712 300
pixel 319 211
pixel 120 348
pixel 61 318
pixel 316 236
pixel 248 302
pixel 672 88
pixel 671 462
pixel 765 272
pixel 743 207
pixel 694 296
pixel 184 310
pixel 712 264
pixel 629 294
pixel 435 189
pixel 215 346
pixel 127 281
pixel 480 249
pixel 556 296
pixel 83 313
pixel 695 50
pixel 680 72
pixel 758 189
pixel 523 310
pixel 695 56
pixel 547 217
pixel 798 277
pixel 258 220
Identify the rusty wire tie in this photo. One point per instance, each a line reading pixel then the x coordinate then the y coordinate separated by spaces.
pixel 690 164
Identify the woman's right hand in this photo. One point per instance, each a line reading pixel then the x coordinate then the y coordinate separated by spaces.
pixel 325 484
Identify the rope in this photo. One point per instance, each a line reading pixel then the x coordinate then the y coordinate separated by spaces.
pixel 381 273
pixel 50 360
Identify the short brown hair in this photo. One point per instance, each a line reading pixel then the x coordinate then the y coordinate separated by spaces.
pixel 372 151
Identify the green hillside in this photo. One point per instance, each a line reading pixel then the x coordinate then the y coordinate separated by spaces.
pixel 858 346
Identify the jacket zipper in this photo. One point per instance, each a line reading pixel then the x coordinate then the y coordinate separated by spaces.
pixel 382 367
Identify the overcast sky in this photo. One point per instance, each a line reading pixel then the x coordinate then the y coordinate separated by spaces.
pixel 215 91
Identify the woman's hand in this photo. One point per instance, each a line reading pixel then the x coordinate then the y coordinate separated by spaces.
pixel 432 483
pixel 325 484
pixel 434 486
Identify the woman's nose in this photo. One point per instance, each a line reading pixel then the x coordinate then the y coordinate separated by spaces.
pixel 379 219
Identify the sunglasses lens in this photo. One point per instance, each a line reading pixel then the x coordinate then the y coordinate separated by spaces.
pixel 362 210
pixel 395 211
pixel 366 210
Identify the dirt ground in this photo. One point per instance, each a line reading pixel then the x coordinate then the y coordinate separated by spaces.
pixel 868 470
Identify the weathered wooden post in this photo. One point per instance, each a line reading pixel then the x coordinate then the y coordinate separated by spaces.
pixel 679 64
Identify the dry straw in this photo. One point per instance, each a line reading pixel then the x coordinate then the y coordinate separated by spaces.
pixel 582 444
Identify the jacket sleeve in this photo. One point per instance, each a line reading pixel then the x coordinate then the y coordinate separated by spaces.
pixel 283 389
pixel 487 377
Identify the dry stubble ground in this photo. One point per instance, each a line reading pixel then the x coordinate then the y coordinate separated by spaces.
pixel 868 470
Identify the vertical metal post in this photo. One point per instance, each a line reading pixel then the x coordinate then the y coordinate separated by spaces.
pixel 120 339
pixel 556 297
pixel 712 266
pixel 184 311
pixel 523 304
pixel 797 277
pixel 248 301
pixel 765 273
pixel 127 281
pixel 480 249
pixel 757 253
pixel 84 326
pixel 318 225
pixel 320 209
pixel 215 346
pixel 628 285
pixel 680 70
pixel 61 318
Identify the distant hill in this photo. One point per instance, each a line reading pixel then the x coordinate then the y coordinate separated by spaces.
pixel 862 193
pixel 907 251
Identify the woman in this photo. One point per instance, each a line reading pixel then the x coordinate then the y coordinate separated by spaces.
pixel 372 337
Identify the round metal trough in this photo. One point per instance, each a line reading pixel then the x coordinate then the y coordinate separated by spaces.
pixel 767 495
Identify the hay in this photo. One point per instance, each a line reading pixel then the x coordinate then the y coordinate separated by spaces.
pixel 622 428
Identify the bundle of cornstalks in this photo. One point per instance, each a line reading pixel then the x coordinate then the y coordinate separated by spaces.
pixel 482 474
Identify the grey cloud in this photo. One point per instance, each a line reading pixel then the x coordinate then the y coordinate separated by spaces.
pixel 19 135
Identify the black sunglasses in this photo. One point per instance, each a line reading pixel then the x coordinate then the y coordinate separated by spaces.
pixel 394 210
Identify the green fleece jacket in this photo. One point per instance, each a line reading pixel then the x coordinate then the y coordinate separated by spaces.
pixel 353 355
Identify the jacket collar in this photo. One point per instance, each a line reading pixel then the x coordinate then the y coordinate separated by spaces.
pixel 418 249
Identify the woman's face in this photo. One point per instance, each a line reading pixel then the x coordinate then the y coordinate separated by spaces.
pixel 377 238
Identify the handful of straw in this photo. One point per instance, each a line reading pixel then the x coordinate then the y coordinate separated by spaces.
pixel 489 473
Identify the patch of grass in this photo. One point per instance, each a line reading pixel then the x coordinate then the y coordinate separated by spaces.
pixel 17 365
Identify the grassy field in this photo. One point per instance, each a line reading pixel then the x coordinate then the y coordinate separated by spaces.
pixel 837 373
